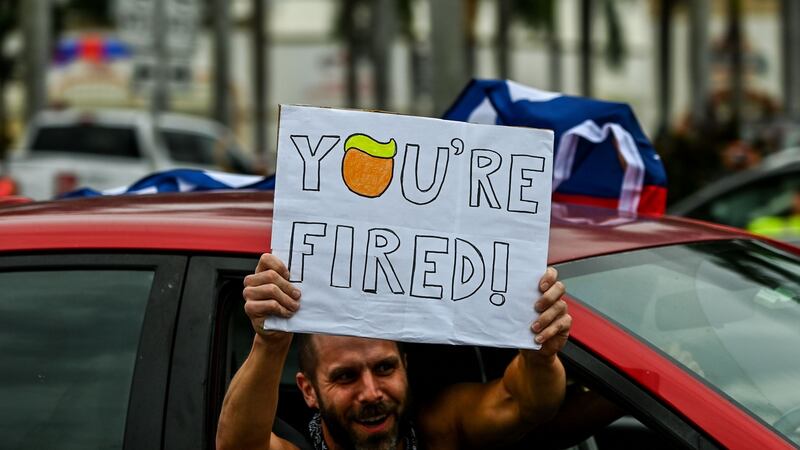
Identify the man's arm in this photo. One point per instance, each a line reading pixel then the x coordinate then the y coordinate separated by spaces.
pixel 250 405
pixel 529 393
pixel 583 414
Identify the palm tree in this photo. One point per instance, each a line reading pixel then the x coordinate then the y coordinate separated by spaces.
pixel 9 12
pixel 542 15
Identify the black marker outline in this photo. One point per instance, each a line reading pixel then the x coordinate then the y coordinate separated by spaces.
pixel 378 264
pixel 426 272
pixel 391 178
pixel 336 253
pixel 474 200
pixel 419 190
pixel 500 302
pixel 305 242
pixel 455 148
pixel 523 185
pixel 313 153
pixel 494 265
pixel 474 271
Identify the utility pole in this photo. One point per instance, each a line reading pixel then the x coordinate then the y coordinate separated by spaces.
pixel 383 14
pixel 448 52
pixel 222 31
pixel 36 42
pixel 664 74
pixel 586 48
pixel 503 43
pixel 159 101
pixel 736 48
pixel 699 58
pixel 260 82
pixel 790 35
pixel 554 53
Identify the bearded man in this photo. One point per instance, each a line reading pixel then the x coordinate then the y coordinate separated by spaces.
pixel 360 386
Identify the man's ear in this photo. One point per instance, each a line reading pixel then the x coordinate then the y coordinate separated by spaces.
pixel 307 389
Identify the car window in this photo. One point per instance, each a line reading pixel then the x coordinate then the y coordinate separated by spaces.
pixel 187 147
pixel 766 197
pixel 90 139
pixel 69 350
pixel 728 312
pixel 431 367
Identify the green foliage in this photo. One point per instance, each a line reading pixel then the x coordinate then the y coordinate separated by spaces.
pixel 541 15
pixel 537 14
pixel 344 20
pixel 9 15
pixel 96 11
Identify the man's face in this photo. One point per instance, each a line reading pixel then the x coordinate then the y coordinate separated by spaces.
pixel 360 390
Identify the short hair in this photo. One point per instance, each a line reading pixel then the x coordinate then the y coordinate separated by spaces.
pixel 308 359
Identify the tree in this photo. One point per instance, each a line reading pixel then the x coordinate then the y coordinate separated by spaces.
pixel 9 14
pixel 358 23
pixel 541 15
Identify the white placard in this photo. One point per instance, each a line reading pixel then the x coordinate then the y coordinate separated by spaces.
pixel 412 229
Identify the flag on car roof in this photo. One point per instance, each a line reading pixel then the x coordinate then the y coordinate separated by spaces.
pixel 602 156
pixel 183 180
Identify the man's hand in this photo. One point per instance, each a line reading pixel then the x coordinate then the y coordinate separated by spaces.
pixel 268 292
pixel 553 325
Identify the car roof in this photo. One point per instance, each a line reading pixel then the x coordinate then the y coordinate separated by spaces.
pixel 241 222
pixel 122 116
pixel 786 161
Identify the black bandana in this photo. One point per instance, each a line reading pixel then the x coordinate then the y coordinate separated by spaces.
pixel 315 431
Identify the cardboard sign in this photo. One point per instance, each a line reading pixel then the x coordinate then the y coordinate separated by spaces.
pixel 412 229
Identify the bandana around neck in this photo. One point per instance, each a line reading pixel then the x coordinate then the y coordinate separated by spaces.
pixel 315 431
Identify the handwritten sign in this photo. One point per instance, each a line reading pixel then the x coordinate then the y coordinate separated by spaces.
pixel 412 229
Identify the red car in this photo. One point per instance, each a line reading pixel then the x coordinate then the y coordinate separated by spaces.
pixel 122 325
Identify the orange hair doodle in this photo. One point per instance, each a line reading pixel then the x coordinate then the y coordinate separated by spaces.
pixel 368 165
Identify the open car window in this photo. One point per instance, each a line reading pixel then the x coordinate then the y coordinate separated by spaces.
pixel 431 368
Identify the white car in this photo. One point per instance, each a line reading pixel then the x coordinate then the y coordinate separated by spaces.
pixel 106 148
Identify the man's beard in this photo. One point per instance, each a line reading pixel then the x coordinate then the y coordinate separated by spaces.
pixel 347 437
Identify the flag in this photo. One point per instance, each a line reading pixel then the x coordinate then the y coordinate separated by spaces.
pixel 602 156
pixel 183 180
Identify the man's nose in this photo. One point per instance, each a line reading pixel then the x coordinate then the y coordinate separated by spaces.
pixel 370 388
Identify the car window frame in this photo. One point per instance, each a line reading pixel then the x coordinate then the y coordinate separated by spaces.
pixel 191 414
pixel 617 387
pixel 147 395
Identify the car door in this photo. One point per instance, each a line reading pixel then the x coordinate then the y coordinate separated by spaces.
pixel 205 353
pixel 86 341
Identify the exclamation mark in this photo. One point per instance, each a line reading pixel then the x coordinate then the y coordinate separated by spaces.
pixel 499 274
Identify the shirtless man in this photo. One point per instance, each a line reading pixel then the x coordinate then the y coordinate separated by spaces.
pixel 360 386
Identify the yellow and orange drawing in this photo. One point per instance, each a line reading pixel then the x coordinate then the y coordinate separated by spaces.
pixel 368 164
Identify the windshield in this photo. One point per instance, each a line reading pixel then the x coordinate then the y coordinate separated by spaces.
pixel 190 147
pixel 87 138
pixel 727 311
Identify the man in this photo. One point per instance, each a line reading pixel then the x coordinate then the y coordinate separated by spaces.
pixel 360 385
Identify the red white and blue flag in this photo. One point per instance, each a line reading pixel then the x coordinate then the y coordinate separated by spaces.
pixel 602 156
pixel 183 180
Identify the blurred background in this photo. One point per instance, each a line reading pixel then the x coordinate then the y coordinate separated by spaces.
pixel 715 83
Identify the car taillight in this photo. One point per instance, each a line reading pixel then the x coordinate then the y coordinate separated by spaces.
pixel 65 182
pixel 7 187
